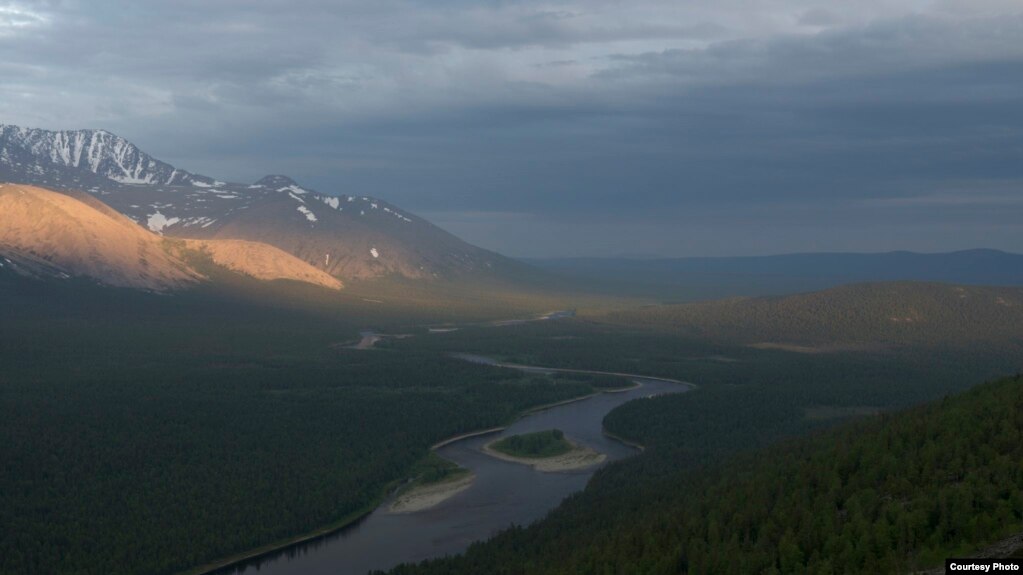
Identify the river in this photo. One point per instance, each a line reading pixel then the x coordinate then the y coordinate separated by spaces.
pixel 503 494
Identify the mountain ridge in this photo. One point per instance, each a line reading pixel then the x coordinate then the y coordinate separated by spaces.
pixel 103 153
pixel 345 235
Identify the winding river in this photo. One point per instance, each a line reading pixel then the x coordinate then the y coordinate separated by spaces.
pixel 503 494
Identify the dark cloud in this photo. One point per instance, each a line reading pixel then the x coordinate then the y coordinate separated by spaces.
pixel 567 128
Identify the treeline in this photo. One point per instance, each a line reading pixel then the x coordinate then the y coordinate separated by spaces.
pixel 888 494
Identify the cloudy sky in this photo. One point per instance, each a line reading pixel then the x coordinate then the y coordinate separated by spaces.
pixel 688 127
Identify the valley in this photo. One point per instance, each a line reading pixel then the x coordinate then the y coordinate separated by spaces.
pixel 243 384
pixel 253 384
pixel 499 493
pixel 295 287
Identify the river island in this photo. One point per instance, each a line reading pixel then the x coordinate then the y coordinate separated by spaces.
pixel 548 451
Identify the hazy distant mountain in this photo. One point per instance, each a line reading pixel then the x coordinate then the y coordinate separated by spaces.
pixel 347 236
pixel 713 278
pixel 45 234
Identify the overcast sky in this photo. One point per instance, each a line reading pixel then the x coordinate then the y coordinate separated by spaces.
pixel 688 127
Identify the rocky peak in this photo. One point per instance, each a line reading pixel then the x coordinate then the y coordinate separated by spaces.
pixel 275 181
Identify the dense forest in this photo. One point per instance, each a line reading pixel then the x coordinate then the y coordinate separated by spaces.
pixel 890 493
pixel 150 434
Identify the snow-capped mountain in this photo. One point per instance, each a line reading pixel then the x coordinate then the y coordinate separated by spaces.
pixel 66 154
pixel 348 236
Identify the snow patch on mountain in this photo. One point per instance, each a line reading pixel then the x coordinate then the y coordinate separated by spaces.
pixel 293 188
pixel 158 221
pixel 309 215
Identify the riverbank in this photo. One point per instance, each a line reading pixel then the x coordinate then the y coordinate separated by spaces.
pixel 423 497
pixel 622 440
pixel 580 457
pixel 450 440
pixel 214 566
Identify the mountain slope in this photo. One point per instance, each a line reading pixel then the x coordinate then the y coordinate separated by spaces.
pixel 880 313
pixel 347 236
pixel 263 262
pixel 43 231
pixel 48 234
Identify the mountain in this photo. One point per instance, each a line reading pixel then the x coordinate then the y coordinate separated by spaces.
pixel 688 279
pixel 84 158
pixel 856 314
pixel 61 235
pixel 346 236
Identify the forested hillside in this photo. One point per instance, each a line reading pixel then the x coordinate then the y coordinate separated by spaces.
pixel 855 315
pixel 888 494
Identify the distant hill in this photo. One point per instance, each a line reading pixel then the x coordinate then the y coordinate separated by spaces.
pixel 853 315
pixel 348 236
pixel 688 279
pixel 45 234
